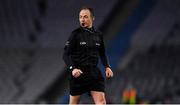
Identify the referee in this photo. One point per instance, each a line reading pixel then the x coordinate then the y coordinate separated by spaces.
pixel 81 54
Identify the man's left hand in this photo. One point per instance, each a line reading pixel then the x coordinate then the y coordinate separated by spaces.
pixel 109 73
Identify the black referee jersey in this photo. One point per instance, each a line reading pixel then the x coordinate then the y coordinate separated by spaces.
pixel 84 48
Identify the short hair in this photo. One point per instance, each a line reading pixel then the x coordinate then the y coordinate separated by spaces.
pixel 88 8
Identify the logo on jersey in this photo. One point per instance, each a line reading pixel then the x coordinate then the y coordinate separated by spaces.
pixel 67 43
pixel 82 43
pixel 97 44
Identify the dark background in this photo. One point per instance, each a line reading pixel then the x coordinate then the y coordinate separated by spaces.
pixel 142 39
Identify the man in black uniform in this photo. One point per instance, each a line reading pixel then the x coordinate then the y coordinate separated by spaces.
pixel 81 54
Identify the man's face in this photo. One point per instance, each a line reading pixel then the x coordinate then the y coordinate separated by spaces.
pixel 85 18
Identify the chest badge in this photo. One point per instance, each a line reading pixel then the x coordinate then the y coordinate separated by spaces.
pixel 97 44
pixel 82 43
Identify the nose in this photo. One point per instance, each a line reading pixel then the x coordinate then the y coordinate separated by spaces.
pixel 82 19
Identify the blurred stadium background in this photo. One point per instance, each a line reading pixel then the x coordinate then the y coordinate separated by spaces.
pixel 142 42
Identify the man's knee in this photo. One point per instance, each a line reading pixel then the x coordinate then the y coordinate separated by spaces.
pixel 74 99
pixel 101 100
pixel 99 97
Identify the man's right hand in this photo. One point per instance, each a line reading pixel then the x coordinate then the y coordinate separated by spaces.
pixel 76 73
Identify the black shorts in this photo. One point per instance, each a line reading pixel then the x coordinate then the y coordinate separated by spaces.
pixel 90 80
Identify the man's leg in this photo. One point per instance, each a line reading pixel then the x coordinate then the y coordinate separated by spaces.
pixel 98 97
pixel 74 99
